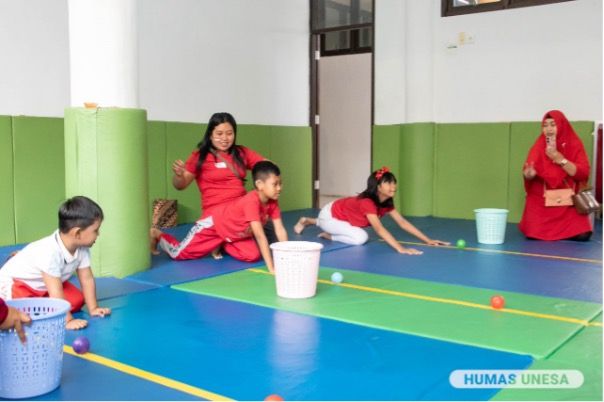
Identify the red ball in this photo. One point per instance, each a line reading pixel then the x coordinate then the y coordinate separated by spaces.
pixel 497 302
pixel 273 397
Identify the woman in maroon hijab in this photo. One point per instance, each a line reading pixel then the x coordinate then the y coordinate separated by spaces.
pixel 557 160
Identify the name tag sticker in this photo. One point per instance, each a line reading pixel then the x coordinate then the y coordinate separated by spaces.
pixel 220 165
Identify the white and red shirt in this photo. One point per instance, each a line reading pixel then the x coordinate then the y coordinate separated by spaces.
pixel 354 210
pixel 216 181
pixel 47 255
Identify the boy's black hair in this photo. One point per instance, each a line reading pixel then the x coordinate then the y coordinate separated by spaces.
pixel 371 191
pixel 263 169
pixel 78 211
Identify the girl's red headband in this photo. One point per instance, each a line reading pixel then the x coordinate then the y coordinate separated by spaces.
pixel 380 172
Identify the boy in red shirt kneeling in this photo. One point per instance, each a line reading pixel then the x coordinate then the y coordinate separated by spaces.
pixel 237 226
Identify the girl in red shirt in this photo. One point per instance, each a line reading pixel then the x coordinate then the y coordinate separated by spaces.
pixel 342 220
pixel 557 160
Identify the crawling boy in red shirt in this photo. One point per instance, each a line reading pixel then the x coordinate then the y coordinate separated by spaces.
pixel 236 226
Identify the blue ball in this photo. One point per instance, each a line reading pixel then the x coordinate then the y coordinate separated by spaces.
pixel 81 345
pixel 337 277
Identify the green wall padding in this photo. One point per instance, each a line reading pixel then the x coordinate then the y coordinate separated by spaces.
pixel 7 205
pixel 585 131
pixel 404 147
pixel 522 137
pixel 156 151
pixel 386 152
pixel 181 140
pixel 416 168
pixel 106 160
pixel 471 168
pixel 291 150
pixel 39 178
pixel 257 138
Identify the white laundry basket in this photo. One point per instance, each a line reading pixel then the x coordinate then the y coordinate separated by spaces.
pixel 296 268
pixel 34 368
pixel 490 225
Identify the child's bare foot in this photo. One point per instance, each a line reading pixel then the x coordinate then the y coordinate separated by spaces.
pixel 299 227
pixel 324 235
pixel 217 254
pixel 302 223
pixel 154 235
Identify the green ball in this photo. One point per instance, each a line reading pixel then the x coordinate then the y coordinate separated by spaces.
pixel 461 243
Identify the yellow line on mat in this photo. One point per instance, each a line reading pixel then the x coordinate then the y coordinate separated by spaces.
pixel 146 375
pixel 449 301
pixel 554 257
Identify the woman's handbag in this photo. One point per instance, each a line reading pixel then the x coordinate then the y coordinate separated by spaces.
pixel 165 213
pixel 558 198
pixel 585 202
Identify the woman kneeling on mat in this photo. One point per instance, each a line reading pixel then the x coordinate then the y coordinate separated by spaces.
pixel 342 220
pixel 556 161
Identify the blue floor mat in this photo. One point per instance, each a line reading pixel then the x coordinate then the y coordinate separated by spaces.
pixel 532 275
pixel 106 288
pixel 165 271
pixel 247 352
pixel 453 229
pixel 82 380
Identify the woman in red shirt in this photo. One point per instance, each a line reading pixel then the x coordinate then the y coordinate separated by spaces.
pixel 218 165
pixel 557 160
pixel 342 220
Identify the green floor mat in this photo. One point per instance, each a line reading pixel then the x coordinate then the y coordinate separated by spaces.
pixel 584 353
pixel 529 325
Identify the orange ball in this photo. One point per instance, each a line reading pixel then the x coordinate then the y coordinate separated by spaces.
pixel 497 302
pixel 273 397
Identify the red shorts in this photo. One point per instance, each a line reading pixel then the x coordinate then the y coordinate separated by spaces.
pixel 72 294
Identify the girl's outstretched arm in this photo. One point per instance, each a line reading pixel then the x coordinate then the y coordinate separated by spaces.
pixel 409 228
pixel 376 224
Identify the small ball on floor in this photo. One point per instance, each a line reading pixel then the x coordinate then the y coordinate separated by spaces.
pixel 337 277
pixel 497 302
pixel 81 345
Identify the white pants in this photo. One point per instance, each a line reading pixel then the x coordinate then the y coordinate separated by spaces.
pixel 341 231
pixel 6 288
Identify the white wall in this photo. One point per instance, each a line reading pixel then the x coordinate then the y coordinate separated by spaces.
pixel 390 62
pixel 195 58
pixel 249 58
pixel 34 57
pixel 522 63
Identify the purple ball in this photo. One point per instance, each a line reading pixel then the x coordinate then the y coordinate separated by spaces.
pixel 81 345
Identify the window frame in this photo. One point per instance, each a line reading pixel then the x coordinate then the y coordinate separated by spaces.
pixel 353 29
pixel 354 47
pixel 448 10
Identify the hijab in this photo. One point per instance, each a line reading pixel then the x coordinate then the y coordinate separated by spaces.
pixel 568 144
